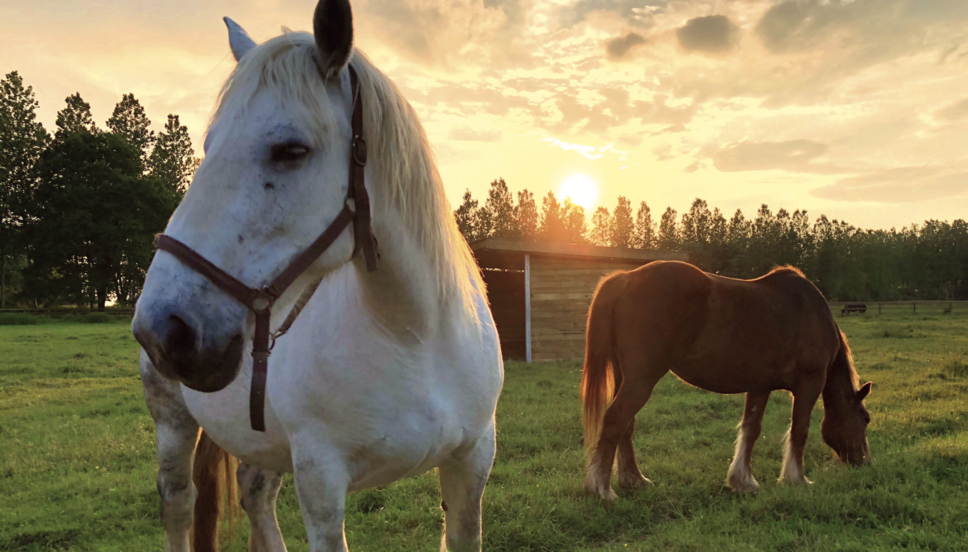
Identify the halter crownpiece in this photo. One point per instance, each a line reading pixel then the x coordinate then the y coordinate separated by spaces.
pixel 261 300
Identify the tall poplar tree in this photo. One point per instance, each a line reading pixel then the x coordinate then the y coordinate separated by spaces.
pixel 622 228
pixel 465 216
pixel 669 230
pixel 645 232
pixel 600 226
pixel 130 121
pixel 552 226
pixel 172 159
pixel 526 215
pixel 75 117
pixel 22 141
pixel 500 203
pixel 573 217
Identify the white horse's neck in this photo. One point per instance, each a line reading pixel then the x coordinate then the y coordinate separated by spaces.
pixel 402 295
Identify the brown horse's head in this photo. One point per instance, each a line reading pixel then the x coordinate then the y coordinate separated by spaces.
pixel 844 428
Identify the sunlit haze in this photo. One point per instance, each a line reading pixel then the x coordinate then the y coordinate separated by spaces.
pixel 580 190
pixel 856 109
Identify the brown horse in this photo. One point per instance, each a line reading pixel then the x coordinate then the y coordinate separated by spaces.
pixel 722 335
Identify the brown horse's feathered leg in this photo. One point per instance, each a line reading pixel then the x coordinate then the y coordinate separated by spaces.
pixel 632 396
pixel 740 476
pixel 629 475
pixel 803 402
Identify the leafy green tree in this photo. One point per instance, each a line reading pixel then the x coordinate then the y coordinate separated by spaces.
pixel 621 232
pixel 172 159
pixel 465 216
pixel 22 141
pixel 500 203
pixel 94 219
pixel 552 227
pixel 600 226
pixel 526 215
pixel 75 117
pixel 130 121
pixel 645 231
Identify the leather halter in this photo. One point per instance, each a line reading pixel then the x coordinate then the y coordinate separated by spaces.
pixel 260 300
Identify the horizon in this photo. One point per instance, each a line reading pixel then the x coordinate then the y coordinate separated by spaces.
pixel 842 108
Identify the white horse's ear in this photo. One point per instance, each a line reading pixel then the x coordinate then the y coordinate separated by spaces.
pixel 239 40
pixel 333 29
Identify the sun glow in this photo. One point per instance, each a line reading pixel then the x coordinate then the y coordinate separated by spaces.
pixel 580 189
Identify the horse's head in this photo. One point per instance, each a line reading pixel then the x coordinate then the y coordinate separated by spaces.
pixel 275 174
pixel 844 427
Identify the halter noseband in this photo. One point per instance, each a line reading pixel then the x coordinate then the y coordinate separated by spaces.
pixel 260 300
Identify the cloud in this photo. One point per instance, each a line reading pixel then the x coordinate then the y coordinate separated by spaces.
pixel 618 47
pixel 431 32
pixel 953 112
pixel 793 24
pixel 471 135
pixel 897 185
pixel 712 33
pixel 792 155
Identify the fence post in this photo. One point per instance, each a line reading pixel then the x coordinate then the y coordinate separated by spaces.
pixel 878 308
pixel 915 305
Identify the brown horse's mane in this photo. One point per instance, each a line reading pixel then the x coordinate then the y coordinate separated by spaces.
pixel 849 356
pixel 786 269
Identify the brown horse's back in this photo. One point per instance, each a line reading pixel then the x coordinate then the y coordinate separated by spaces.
pixel 722 334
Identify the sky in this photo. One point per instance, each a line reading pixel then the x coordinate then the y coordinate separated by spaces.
pixel 857 109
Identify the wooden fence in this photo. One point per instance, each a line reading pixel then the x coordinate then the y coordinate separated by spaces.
pixel 846 308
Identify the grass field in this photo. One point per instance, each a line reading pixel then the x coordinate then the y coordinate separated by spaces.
pixel 77 468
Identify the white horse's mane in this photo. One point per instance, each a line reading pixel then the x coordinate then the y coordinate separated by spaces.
pixel 405 174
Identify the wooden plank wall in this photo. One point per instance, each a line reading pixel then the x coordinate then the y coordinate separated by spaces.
pixel 505 292
pixel 561 292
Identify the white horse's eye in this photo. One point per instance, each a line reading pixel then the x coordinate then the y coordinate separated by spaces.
pixel 282 153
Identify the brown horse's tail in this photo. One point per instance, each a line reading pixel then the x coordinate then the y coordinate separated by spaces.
pixel 598 375
pixel 213 472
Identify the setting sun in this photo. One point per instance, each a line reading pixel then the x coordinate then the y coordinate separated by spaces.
pixel 579 189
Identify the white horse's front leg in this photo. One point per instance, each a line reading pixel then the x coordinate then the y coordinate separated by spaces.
pixel 462 481
pixel 176 433
pixel 321 481
pixel 259 489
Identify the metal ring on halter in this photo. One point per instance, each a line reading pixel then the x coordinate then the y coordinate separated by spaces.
pixel 359 151
pixel 263 301
pixel 350 207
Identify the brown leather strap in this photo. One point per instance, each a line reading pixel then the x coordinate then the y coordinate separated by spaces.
pixel 358 158
pixel 260 301
pixel 243 293
pixel 260 371
pixel 305 259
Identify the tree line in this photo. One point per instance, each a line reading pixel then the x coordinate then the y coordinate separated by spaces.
pixel 926 261
pixel 79 209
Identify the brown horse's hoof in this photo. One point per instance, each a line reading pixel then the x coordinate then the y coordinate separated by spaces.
pixel 604 491
pixel 792 482
pixel 634 482
pixel 743 486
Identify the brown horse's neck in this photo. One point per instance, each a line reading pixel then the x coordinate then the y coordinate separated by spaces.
pixel 841 384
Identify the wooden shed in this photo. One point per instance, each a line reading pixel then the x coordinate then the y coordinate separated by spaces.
pixel 540 291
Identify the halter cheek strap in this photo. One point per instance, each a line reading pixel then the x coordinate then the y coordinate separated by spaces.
pixel 261 300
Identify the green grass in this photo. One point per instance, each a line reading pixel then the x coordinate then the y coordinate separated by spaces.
pixel 77 469
pixel 20 319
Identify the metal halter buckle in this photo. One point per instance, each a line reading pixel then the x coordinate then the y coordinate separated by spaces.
pixel 359 150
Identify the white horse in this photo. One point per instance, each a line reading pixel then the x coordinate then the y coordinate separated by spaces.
pixel 385 374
